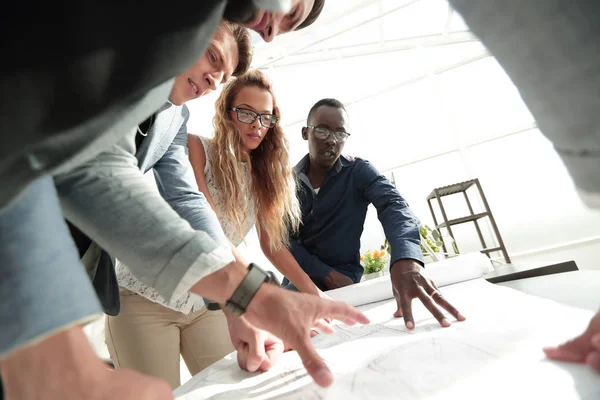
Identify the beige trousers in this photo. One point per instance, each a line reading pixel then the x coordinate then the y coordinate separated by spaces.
pixel 149 338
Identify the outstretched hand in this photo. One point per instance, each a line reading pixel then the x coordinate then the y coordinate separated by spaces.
pixel 290 316
pixel 408 282
pixel 585 348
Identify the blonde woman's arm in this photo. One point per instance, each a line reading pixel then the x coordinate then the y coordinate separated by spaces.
pixel 285 263
pixel 198 160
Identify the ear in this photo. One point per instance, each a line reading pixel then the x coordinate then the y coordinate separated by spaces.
pixel 304 133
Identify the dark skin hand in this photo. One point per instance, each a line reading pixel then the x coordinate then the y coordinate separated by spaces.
pixel 335 280
pixel 408 283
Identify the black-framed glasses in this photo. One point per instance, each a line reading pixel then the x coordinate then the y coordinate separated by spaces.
pixel 323 133
pixel 246 116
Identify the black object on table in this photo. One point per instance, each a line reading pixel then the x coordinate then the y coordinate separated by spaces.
pixel 510 272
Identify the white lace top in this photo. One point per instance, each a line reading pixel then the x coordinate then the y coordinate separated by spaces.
pixel 190 302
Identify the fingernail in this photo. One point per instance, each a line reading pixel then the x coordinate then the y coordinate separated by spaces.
pixel 461 317
pixel 596 340
pixel 445 322
pixel 324 377
pixel 410 325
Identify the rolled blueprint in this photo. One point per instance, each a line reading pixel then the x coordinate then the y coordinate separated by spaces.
pixel 446 272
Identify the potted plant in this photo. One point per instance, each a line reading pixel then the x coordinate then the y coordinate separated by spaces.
pixel 374 263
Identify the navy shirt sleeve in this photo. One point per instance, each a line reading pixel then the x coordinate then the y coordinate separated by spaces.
pixel 316 269
pixel 400 225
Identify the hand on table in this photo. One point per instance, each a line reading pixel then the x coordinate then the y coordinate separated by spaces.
pixel 584 349
pixel 256 349
pixel 408 282
pixel 335 280
pixel 290 316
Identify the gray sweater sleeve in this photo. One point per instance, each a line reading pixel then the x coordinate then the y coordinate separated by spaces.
pixel 550 51
pixel 110 200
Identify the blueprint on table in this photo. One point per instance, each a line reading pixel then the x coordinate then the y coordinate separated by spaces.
pixel 494 354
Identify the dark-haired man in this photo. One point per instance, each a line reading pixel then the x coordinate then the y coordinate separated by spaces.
pixel 334 193
pixel 301 14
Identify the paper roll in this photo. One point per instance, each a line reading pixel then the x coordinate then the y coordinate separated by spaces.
pixel 447 272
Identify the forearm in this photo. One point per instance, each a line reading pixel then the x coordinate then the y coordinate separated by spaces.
pixel 220 285
pixel 285 263
pixel 44 289
pixel 110 201
pixel 401 229
pixel 236 254
pixel 310 264
pixel 400 225
pixel 403 248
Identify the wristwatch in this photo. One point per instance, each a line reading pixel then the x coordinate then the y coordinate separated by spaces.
pixel 247 289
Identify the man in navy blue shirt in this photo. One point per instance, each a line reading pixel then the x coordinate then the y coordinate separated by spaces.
pixel 335 192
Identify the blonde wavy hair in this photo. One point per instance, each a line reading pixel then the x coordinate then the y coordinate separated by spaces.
pixel 273 185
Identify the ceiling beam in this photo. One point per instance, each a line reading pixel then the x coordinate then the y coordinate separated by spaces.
pixel 270 55
pixel 388 46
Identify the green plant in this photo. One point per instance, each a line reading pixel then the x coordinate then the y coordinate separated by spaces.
pixel 433 239
pixel 373 261
pixel 430 239
pixel 386 246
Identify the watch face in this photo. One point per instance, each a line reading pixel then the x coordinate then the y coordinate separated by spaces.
pixel 247 288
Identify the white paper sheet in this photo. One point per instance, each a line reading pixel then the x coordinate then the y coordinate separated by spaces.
pixel 495 354
pixel 447 272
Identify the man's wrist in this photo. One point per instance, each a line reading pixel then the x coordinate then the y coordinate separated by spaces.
pixel 219 286
pixel 259 306
pixel 405 265
pixel 246 290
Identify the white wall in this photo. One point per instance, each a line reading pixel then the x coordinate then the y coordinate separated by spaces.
pixel 432 115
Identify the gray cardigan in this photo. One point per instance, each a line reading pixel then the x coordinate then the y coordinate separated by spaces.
pixel 158 235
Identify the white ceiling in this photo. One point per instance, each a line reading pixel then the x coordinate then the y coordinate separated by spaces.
pixel 350 28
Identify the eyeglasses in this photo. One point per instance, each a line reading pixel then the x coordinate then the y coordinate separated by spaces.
pixel 246 116
pixel 323 134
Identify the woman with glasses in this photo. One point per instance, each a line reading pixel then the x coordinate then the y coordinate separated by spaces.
pixel 245 175
pixel 253 184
